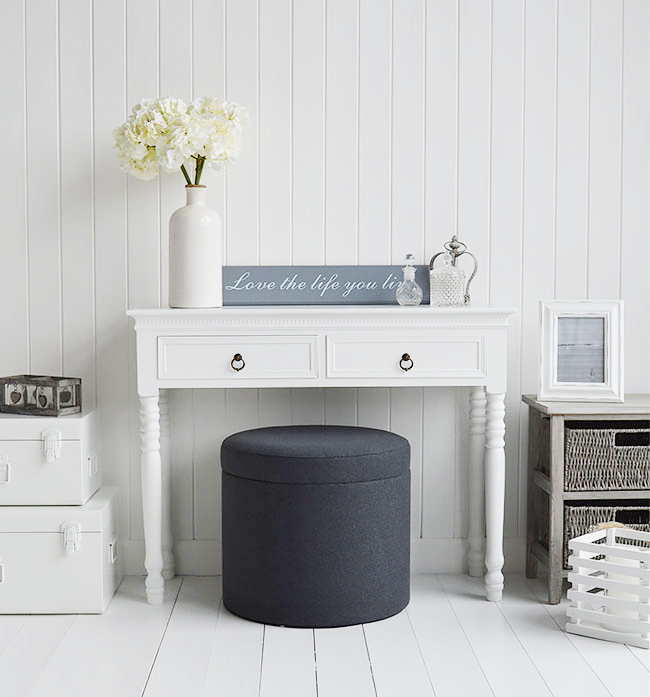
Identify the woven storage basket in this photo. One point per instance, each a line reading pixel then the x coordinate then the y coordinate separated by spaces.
pixel 613 457
pixel 579 520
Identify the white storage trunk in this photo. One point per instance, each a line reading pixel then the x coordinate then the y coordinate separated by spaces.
pixel 48 460
pixel 59 559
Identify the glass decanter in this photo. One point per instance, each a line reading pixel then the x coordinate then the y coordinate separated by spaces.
pixel 447 284
pixel 409 292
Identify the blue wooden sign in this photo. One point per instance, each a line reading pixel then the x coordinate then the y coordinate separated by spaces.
pixel 316 285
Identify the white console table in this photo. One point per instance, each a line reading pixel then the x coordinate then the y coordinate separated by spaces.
pixel 349 346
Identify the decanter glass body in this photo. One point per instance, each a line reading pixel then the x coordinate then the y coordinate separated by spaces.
pixel 409 292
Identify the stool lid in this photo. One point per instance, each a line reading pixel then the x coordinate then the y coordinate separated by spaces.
pixel 315 454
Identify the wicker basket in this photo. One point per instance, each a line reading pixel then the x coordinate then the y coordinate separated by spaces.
pixel 580 519
pixel 606 456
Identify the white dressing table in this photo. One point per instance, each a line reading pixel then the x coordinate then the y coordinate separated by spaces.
pixel 326 346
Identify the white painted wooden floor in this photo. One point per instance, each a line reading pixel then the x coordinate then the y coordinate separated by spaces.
pixel 450 642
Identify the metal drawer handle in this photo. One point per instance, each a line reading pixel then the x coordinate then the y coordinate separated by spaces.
pixel 237 358
pixel 406 359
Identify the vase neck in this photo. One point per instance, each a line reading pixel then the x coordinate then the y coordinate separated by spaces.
pixel 195 195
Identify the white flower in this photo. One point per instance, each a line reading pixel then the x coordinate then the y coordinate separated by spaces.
pixel 167 133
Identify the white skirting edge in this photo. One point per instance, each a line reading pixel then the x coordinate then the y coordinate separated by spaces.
pixel 444 556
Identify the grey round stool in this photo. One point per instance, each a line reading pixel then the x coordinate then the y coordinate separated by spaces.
pixel 315 525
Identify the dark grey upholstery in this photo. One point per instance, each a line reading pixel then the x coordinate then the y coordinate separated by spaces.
pixel 315 525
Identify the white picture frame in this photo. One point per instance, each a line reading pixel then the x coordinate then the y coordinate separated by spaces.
pixel 581 356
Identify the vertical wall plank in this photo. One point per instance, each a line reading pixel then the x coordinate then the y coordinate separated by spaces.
pixel 307 405
pixel 175 77
pixel 43 182
pixel 275 132
pixel 407 171
pixel 143 200
pixel 605 149
pixel 538 252
pixel 211 426
pixel 374 407
pixel 184 440
pixel 406 419
pixel 539 182
pixel 208 80
pixel 341 406
pixel 341 130
pixel 441 124
pixel 635 215
pixel 143 216
pixel 14 354
pixel 506 183
pixel 175 62
pixel 112 327
pixel 375 108
pixel 242 181
pixel 77 232
pixel 572 150
pixel 474 85
pixel 275 407
pixel 438 462
pixel 308 132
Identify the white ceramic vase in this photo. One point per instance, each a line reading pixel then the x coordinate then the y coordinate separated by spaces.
pixel 195 253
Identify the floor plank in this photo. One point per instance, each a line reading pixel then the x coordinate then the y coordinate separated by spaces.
pixel 288 663
pixel 560 664
pixel 182 660
pixel 28 653
pixel 10 625
pixel 397 665
pixel 616 667
pixel 450 642
pixel 235 657
pixel 452 665
pixel 342 663
pixel 110 654
pixel 507 666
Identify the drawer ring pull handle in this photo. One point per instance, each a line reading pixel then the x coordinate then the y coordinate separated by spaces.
pixel 237 358
pixel 406 362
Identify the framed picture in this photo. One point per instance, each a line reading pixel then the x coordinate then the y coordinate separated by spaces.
pixel 581 350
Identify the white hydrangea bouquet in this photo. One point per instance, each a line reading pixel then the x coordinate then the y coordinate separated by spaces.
pixel 168 133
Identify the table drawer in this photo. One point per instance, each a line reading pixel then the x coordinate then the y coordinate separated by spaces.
pixel 213 357
pixel 383 356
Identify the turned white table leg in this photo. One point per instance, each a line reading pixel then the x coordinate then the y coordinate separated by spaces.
pixel 495 479
pixel 169 567
pixel 476 531
pixel 151 473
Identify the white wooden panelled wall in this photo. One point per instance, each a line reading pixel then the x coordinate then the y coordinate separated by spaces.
pixel 379 127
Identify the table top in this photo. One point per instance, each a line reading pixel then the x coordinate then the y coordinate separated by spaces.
pixel 633 404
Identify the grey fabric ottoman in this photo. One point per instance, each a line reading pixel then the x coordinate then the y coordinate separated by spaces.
pixel 315 525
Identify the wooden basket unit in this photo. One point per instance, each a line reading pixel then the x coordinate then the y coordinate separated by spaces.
pixel 610 586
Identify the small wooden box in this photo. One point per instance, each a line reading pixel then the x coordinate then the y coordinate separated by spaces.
pixel 59 559
pixel 46 461
pixel 610 593
pixel 40 395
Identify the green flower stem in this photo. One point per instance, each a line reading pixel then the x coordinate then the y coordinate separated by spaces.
pixel 186 175
pixel 200 161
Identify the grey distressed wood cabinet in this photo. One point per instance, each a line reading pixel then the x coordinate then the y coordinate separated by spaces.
pixel 552 495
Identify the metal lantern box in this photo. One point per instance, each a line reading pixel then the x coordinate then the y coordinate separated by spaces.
pixel 59 559
pixel 49 463
pixel 40 395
